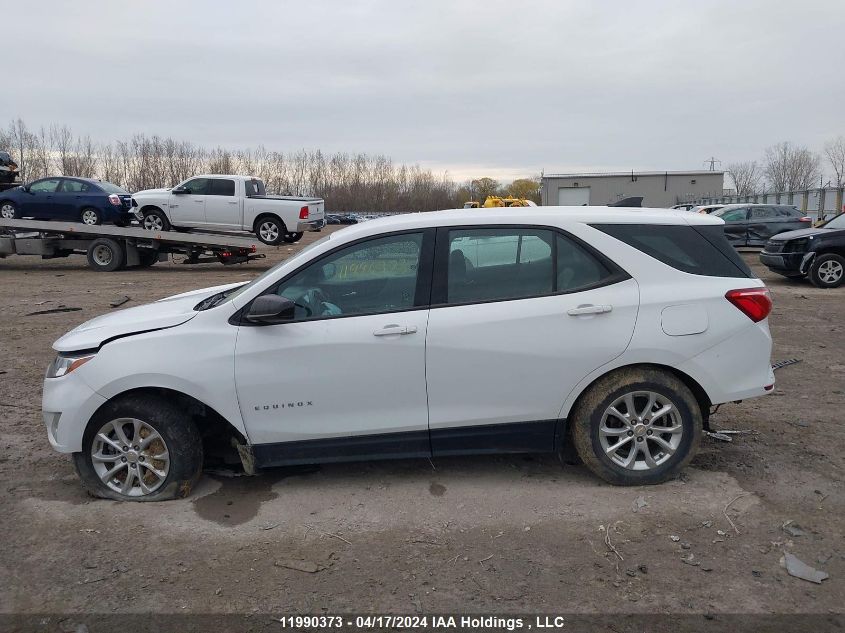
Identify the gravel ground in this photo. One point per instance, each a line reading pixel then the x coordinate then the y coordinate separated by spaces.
pixel 496 535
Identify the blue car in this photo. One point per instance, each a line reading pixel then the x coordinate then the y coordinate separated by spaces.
pixel 73 199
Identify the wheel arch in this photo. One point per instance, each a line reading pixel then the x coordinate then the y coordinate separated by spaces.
pixel 267 214
pixel 217 432
pixel 692 384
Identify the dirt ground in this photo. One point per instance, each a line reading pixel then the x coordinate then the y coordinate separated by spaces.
pixel 506 534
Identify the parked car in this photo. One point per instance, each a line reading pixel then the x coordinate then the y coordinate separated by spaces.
pixel 65 198
pixel 753 224
pixel 8 168
pixel 706 208
pixel 817 253
pixel 235 203
pixel 444 333
pixel 332 218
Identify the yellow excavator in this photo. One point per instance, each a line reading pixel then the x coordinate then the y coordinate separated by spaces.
pixel 496 201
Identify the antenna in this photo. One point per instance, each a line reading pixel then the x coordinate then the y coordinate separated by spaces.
pixel 712 162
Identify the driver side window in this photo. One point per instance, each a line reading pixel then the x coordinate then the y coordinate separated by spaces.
pixel 371 277
pixel 198 186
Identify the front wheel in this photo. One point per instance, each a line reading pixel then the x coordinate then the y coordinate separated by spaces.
pixel 270 230
pixel 155 220
pixel 637 426
pixel 292 238
pixel 140 449
pixel 8 210
pixel 828 271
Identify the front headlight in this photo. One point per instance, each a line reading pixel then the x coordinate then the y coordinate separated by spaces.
pixel 66 363
pixel 797 246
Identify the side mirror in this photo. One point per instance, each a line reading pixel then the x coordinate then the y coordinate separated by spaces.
pixel 180 190
pixel 270 310
pixel 25 188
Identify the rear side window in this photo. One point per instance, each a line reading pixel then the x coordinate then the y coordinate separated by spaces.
pixel 699 250
pixel 254 188
pixel 222 187
pixel 74 186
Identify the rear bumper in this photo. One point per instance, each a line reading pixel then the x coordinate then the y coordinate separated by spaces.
pixel 310 225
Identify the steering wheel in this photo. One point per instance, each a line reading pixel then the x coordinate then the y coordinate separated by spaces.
pixel 311 300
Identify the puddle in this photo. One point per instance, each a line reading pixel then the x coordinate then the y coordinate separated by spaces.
pixel 238 499
pixel 437 490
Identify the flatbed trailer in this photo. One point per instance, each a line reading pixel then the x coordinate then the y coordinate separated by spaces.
pixel 110 248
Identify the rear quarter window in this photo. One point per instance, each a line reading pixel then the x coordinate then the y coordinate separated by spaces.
pixel 698 250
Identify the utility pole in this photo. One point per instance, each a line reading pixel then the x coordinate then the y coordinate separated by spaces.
pixel 712 162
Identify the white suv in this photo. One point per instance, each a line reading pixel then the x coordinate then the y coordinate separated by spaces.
pixel 422 335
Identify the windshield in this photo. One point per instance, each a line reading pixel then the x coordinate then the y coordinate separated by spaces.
pixel 110 188
pixel 272 270
pixel 837 222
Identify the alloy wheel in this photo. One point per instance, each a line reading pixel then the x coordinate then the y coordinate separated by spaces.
pixel 130 457
pixel 268 231
pixel 830 272
pixel 153 223
pixel 640 430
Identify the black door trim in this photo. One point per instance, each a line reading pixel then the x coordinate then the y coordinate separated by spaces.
pixel 541 436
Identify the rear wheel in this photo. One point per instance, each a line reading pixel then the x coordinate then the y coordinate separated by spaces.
pixel 8 210
pixel 828 271
pixel 106 255
pixel 270 230
pixel 637 426
pixel 90 216
pixel 155 220
pixel 291 238
pixel 140 449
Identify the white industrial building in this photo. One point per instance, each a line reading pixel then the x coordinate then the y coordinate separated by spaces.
pixel 657 188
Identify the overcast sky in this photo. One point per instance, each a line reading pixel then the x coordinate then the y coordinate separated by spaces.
pixel 483 87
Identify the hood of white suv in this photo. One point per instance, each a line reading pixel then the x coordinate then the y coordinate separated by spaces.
pixel 165 313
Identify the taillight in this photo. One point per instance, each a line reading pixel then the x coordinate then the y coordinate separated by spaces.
pixel 115 199
pixel 755 303
pixel 303 213
pixel 806 219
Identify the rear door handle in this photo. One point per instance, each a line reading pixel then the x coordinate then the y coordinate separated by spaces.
pixel 589 309
pixel 394 328
pixel 233 202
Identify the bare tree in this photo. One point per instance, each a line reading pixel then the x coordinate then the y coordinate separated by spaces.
pixel 746 177
pixel 835 152
pixel 791 168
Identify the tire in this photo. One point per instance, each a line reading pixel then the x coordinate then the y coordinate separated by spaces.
pixel 155 220
pixel 8 210
pixel 828 271
pixel 106 255
pixel 176 439
pixel 90 216
pixel 596 448
pixel 270 230
pixel 292 238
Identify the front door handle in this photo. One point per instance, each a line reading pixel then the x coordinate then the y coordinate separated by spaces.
pixel 394 328
pixel 233 202
pixel 199 201
pixel 589 309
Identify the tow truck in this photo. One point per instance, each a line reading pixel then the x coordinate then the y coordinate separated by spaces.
pixel 110 248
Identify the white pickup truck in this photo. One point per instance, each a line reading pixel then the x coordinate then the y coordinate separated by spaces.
pixel 233 203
